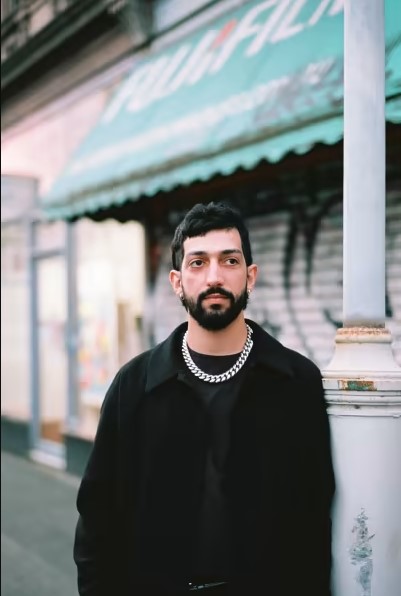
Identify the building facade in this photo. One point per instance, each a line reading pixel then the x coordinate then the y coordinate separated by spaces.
pixel 93 287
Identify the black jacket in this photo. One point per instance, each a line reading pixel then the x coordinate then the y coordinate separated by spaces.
pixel 140 493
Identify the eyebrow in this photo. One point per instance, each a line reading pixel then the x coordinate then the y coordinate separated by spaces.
pixel 202 253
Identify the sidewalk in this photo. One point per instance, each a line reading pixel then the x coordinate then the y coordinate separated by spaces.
pixel 38 519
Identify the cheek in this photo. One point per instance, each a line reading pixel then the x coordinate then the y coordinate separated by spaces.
pixel 187 285
pixel 192 279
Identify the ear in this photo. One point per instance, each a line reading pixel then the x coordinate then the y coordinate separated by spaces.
pixel 251 277
pixel 175 280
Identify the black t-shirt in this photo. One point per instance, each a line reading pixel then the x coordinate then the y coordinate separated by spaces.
pixel 211 556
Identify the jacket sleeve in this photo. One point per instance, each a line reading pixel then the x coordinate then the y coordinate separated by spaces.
pixel 94 547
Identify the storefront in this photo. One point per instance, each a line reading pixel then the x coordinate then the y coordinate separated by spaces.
pixel 72 295
pixel 245 107
pixel 18 196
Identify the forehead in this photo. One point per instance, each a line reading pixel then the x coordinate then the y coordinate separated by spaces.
pixel 215 241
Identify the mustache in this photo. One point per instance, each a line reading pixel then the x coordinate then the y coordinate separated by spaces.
pixel 211 291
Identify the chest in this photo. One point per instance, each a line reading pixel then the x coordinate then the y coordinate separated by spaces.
pixel 174 425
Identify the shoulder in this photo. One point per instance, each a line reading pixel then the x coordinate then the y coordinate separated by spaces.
pixel 132 376
pixel 308 382
pixel 152 366
pixel 135 365
pixel 303 366
pixel 127 388
pixel 275 355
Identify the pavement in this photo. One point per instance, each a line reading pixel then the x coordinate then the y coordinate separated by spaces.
pixel 38 518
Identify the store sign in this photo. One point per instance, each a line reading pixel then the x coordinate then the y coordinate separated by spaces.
pixel 265 23
pixel 262 79
pixel 268 102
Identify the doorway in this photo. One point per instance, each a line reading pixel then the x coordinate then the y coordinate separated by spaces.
pixel 51 322
pixel 49 316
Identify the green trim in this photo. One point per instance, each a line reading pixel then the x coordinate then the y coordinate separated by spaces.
pixel 253 87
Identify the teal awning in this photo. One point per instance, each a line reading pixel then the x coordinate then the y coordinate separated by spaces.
pixel 261 81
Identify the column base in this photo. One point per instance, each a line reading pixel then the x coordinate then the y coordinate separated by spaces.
pixel 363 360
pixel 363 390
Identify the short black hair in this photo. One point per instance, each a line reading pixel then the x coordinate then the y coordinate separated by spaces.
pixel 204 218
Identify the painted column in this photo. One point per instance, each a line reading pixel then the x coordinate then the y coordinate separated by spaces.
pixel 363 381
pixel 34 336
pixel 72 327
pixel 364 163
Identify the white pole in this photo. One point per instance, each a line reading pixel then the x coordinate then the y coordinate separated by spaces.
pixel 364 163
pixel 363 381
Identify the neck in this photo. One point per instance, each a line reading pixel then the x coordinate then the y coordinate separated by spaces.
pixel 226 341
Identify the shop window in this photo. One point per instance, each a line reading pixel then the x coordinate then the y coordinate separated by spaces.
pixel 110 297
pixel 15 340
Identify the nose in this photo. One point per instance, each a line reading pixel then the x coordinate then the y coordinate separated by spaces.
pixel 214 275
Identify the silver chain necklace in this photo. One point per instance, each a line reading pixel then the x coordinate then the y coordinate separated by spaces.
pixel 223 376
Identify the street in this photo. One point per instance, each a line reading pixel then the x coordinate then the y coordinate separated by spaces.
pixel 38 517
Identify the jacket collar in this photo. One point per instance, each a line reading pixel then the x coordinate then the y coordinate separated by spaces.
pixel 166 362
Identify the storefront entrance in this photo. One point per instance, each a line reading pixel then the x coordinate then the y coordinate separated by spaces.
pixel 49 341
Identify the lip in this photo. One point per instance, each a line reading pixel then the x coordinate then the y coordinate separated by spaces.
pixel 216 297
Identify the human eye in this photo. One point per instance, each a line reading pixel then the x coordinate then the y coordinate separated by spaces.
pixel 196 263
pixel 232 261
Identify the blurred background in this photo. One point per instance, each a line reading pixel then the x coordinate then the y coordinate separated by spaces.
pixel 118 116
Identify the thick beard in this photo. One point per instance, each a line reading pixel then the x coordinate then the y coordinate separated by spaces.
pixel 216 317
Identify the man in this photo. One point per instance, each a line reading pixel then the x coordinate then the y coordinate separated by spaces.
pixel 211 469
